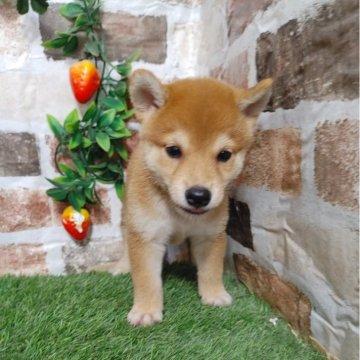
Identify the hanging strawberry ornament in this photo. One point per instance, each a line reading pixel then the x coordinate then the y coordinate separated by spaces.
pixel 84 80
pixel 76 223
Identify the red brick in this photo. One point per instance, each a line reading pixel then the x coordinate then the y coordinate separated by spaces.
pixel 337 162
pixel 314 60
pixel 234 72
pixel 125 33
pixel 24 259
pixel 241 13
pixel 50 22
pixel 280 294
pixel 274 161
pixel 18 155
pixel 82 258
pixel 52 143
pixel 12 40
pixel 23 209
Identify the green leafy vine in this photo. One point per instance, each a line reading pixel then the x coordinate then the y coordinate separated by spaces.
pixel 92 144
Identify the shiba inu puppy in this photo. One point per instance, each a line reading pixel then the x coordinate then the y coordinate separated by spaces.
pixel 193 141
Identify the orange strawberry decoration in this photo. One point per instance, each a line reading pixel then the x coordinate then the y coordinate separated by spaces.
pixel 84 80
pixel 76 223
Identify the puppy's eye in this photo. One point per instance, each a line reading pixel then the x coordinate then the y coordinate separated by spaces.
pixel 224 156
pixel 173 151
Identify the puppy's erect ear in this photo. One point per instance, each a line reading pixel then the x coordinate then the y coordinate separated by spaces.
pixel 253 101
pixel 146 91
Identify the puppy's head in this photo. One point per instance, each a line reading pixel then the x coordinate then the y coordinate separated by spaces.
pixel 195 134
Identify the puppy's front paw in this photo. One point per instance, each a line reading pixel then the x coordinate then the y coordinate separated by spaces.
pixel 138 317
pixel 222 298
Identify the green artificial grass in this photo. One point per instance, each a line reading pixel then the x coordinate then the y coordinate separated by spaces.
pixel 84 317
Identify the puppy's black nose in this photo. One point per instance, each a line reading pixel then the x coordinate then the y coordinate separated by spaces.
pixel 198 196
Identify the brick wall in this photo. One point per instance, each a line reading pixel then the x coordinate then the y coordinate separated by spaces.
pixel 32 239
pixel 297 198
pixel 294 219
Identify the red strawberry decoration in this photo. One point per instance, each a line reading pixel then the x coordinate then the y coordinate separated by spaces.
pixel 76 223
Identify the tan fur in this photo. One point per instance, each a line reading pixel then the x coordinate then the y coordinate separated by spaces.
pixel 202 117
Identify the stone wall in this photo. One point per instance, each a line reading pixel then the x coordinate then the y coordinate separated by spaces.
pixel 34 83
pixel 294 216
pixel 298 194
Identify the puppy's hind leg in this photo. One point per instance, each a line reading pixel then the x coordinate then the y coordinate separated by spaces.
pixel 209 258
pixel 146 259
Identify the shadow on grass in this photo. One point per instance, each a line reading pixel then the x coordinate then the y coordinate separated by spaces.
pixel 184 271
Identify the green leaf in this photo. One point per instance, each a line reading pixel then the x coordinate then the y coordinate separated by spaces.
pixel 71 10
pixel 118 124
pixel 98 166
pixel 90 112
pixel 120 88
pixel 115 134
pixel 79 165
pixel 91 3
pixel 107 177
pixel 106 118
pixel 75 140
pixel 116 104
pixel 95 14
pixel 86 142
pixel 71 45
pixel 72 30
pixel 122 133
pixel 115 168
pixel 89 193
pixel 77 200
pixel 93 48
pixel 134 57
pixel 103 53
pixel 127 114
pixel 125 132
pixel 81 20
pixel 55 43
pixel 57 194
pixel 103 140
pixel 71 123
pixel 120 189
pixel 124 69
pixel 121 150
pixel 22 6
pixel 92 134
pixel 39 6
pixel 61 181
pixel 68 171
pixel 85 182
pixel 55 126
pixel 111 151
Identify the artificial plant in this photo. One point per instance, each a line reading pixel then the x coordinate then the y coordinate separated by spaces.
pixel 92 144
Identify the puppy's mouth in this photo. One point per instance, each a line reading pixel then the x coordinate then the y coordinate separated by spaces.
pixel 195 211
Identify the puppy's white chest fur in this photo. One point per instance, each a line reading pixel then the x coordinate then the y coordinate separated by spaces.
pixel 164 225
